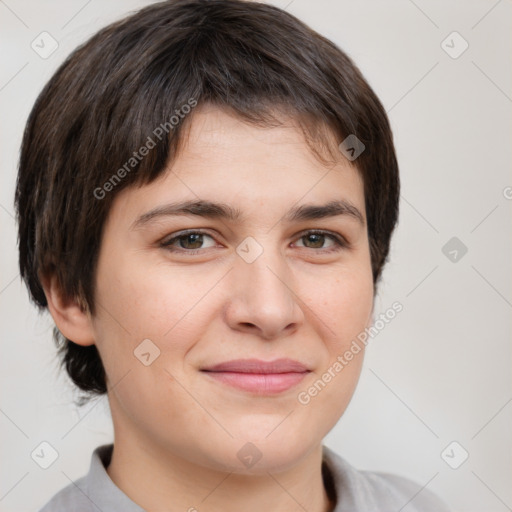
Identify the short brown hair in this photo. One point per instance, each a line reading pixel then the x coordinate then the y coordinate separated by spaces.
pixel 110 95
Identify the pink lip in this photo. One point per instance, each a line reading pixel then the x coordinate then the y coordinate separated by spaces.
pixel 260 377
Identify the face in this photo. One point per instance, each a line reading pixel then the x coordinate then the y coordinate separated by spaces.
pixel 204 289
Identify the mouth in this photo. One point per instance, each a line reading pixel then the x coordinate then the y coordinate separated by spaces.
pixel 257 376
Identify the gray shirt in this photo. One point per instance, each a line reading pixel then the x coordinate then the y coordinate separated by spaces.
pixel 351 489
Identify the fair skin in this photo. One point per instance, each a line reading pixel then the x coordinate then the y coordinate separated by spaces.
pixel 177 431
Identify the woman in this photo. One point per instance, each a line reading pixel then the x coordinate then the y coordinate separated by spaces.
pixel 206 196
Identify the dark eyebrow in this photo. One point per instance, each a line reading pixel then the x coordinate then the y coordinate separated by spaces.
pixel 331 209
pixel 201 208
pixel 209 209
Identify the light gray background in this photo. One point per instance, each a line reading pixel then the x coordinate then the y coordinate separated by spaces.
pixel 440 372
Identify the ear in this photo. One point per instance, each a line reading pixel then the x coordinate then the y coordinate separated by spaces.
pixel 72 321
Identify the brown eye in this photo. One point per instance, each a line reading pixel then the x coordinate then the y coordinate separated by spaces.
pixel 314 241
pixel 187 242
pixel 317 239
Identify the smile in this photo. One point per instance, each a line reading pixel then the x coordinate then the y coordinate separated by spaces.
pixel 257 376
pixel 260 383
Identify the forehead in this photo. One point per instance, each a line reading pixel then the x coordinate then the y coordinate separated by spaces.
pixel 224 159
pixel 216 130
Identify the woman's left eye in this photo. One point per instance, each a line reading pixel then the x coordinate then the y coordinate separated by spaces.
pixel 191 242
pixel 318 238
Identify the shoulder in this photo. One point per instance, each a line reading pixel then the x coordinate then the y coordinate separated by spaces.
pixel 402 491
pixel 376 491
pixel 71 497
pixel 94 492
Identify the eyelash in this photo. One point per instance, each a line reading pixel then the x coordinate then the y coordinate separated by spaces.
pixel 340 242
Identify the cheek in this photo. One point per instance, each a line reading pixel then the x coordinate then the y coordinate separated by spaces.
pixel 139 302
pixel 145 300
pixel 344 304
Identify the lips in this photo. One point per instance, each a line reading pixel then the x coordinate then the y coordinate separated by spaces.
pixel 257 376
pixel 259 366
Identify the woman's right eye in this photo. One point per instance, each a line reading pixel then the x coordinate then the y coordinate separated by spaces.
pixel 189 242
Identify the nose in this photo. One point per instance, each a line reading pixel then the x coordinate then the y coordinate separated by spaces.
pixel 262 299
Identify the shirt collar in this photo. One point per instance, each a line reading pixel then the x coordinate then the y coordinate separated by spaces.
pixel 101 490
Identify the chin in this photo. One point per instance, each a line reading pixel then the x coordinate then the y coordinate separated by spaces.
pixel 278 452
